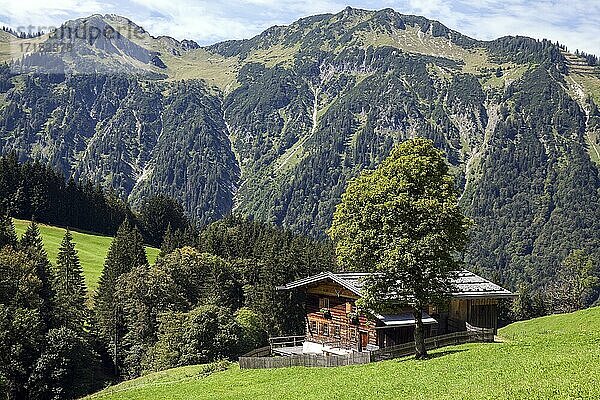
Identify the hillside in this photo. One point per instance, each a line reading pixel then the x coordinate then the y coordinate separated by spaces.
pixel 92 249
pixel 553 357
pixel 274 127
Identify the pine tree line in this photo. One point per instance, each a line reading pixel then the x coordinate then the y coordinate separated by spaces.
pixel 22 35
pixel 31 190
pixel 46 351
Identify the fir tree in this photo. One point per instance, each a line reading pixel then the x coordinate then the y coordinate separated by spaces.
pixel 169 243
pixel 69 285
pixel 8 237
pixel 126 252
pixel 31 243
pixel 157 213
pixel 21 326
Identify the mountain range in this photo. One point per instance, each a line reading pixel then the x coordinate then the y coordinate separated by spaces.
pixel 273 127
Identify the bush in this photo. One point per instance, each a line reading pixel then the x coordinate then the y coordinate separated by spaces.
pixel 205 334
pixel 253 334
pixel 67 368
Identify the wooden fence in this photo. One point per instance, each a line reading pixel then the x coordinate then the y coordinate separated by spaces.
pixel 259 358
pixel 261 352
pixel 305 360
pixel 286 341
pixel 434 342
pixel 483 334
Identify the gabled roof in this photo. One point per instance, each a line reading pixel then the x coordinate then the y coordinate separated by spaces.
pixel 323 276
pixel 468 284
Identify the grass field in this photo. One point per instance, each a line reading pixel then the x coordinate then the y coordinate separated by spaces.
pixel 556 357
pixel 92 249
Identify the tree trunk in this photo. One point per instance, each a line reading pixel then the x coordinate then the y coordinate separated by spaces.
pixel 420 351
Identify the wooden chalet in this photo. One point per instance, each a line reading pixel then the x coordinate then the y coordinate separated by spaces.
pixel 334 325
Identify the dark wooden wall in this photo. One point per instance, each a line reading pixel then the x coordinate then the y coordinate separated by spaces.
pixel 339 331
pixel 339 327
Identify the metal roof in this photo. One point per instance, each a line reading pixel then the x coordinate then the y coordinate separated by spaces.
pixel 403 319
pixel 468 284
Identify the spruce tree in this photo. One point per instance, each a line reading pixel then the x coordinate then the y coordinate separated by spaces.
pixel 169 243
pixel 31 243
pixel 126 252
pixel 69 285
pixel 8 236
pixel 21 326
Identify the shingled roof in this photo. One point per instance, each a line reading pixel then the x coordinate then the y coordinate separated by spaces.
pixel 467 284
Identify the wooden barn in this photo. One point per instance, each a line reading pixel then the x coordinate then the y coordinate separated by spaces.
pixel 334 324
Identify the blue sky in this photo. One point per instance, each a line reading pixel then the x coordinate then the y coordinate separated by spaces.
pixel 575 23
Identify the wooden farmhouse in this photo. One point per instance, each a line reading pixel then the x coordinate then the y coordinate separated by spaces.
pixel 333 323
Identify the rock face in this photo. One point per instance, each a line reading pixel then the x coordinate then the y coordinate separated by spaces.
pixel 274 127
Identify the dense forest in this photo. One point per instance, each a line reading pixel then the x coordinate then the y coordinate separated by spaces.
pixel 208 297
pixel 32 190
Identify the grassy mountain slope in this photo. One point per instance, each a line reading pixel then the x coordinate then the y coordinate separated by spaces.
pixel 554 357
pixel 91 248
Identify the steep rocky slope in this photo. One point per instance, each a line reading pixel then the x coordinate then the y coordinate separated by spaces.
pixel 273 127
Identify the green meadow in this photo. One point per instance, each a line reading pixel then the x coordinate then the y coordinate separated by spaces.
pixel 555 357
pixel 92 249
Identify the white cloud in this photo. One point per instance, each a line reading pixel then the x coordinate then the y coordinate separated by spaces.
pixel 40 13
pixel 575 23
pixel 208 21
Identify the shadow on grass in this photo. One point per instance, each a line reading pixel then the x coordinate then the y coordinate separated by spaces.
pixel 431 356
pixel 438 354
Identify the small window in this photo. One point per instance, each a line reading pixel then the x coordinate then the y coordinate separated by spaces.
pixel 336 331
pixel 352 334
pixel 323 302
pixel 325 329
pixel 348 308
pixel 312 326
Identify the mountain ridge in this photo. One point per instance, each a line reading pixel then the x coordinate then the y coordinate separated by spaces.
pixel 273 127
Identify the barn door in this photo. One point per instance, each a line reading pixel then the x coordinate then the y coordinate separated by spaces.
pixel 484 316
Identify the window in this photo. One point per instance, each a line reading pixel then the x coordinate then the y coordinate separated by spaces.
pixel 324 329
pixel 348 308
pixel 352 334
pixel 323 302
pixel 336 331
pixel 312 326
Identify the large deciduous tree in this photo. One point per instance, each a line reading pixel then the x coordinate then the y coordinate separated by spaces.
pixel 67 368
pixel 144 293
pixel 574 283
pixel 402 221
pixel 204 334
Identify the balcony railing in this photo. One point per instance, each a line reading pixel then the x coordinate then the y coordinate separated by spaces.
pixel 286 341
